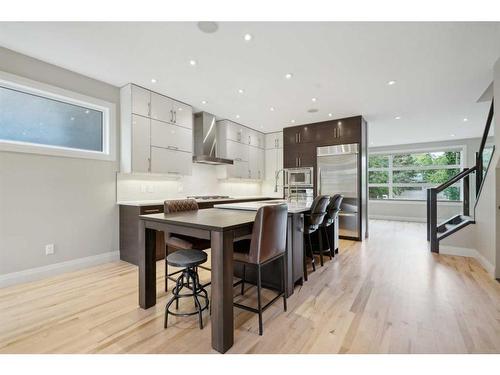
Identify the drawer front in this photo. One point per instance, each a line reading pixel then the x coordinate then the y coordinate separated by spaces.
pixel 171 136
pixel 169 161
pixel 147 210
pixel 236 151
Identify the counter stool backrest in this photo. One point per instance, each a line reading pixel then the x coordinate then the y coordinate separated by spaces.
pixel 333 208
pixel 318 209
pixel 269 233
pixel 180 205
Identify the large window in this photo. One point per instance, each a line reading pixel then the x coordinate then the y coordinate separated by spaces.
pixel 43 119
pixel 407 175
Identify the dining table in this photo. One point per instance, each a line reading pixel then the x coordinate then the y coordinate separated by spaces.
pixel 222 226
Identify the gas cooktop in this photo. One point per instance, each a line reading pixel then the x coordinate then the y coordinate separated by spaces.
pixel 206 197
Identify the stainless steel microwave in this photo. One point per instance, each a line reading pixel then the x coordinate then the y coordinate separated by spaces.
pixel 299 177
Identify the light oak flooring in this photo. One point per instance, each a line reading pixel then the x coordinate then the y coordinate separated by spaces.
pixel 388 294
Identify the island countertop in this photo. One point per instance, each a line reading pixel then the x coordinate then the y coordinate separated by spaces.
pixel 293 207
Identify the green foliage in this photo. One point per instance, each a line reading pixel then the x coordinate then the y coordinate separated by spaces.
pixel 409 176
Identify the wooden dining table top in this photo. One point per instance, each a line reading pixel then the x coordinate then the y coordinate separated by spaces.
pixel 213 219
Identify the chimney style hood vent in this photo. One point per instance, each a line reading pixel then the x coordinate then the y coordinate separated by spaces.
pixel 205 140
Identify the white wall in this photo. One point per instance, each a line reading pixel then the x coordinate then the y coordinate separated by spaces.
pixel 43 199
pixel 203 181
pixel 416 210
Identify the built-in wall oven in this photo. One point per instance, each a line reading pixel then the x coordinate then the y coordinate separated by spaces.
pixel 299 184
pixel 299 177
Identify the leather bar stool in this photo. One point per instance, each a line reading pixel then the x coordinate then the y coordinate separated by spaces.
pixel 268 243
pixel 175 242
pixel 312 221
pixel 326 232
pixel 189 260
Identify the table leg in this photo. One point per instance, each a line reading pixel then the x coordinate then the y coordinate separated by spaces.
pixel 147 266
pixel 222 290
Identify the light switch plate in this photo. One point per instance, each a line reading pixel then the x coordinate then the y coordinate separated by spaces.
pixel 49 249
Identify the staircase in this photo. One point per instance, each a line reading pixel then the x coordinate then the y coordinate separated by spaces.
pixel 436 232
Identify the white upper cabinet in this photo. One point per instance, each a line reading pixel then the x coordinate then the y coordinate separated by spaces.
pixel 274 140
pixel 161 108
pixel 156 133
pixel 236 151
pixel 256 163
pixel 171 136
pixel 183 115
pixel 256 139
pixel 168 110
pixel 141 101
pixel 141 152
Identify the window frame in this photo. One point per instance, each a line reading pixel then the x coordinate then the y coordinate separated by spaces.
pixel 390 169
pixel 108 110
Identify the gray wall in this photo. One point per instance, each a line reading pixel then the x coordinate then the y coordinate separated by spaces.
pixel 416 211
pixel 44 199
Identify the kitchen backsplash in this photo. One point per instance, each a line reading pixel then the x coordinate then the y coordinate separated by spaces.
pixel 203 181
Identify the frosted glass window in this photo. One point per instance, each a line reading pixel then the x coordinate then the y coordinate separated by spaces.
pixel 38 120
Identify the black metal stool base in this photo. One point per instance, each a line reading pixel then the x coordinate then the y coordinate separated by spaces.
pixel 189 279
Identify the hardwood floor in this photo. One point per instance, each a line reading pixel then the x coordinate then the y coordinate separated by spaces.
pixel 388 294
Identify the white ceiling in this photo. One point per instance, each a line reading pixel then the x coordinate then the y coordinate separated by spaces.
pixel 441 69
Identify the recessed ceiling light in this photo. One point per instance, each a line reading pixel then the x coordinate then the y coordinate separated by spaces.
pixel 87 111
pixel 237 116
pixel 179 109
pixel 466 119
pixel 248 37
pixel 241 91
pixel 192 62
pixel 203 102
pixel 153 80
pixel 72 119
pixel 288 75
pixel 398 117
pixel 330 115
pixel 339 123
pixel 271 109
pixel 292 121
pixel 314 99
pixel 262 126
pixel 208 26
pixel 452 135
pixel 390 83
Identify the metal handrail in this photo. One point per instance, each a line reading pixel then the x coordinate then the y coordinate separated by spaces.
pixel 455 179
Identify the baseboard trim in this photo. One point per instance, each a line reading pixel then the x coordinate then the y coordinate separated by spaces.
pixel 38 273
pixel 468 252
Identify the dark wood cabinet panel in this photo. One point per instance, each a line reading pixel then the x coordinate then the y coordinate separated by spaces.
pixel 298 134
pixel 299 155
pixel 338 132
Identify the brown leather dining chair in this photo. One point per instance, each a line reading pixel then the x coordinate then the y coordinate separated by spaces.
pixel 267 244
pixel 312 221
pixel 176 242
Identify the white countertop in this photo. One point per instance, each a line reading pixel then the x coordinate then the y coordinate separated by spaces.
pixel 293 207
pixel 156 202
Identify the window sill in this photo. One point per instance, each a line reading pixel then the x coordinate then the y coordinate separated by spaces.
pixel 416 202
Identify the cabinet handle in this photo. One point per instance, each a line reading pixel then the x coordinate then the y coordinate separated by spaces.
pixel 296 138
pixel 299 138
pixel 171 116
pixel 300 161
pixel 173 172
pixel 175 117
pixel 249 140
pixel 296 161
pixel 152 211
pixel 149 109
pixel 149 164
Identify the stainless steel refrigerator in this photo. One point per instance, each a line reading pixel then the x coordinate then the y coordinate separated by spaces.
pixel 338 173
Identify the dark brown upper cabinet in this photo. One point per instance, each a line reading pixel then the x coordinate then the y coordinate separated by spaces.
pixel 298 134
pixel 337 132
pixel 299 155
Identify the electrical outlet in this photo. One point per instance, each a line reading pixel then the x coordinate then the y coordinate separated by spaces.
pixel 49 249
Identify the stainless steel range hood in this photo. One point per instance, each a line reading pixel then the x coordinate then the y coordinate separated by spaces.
pixel 205 140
